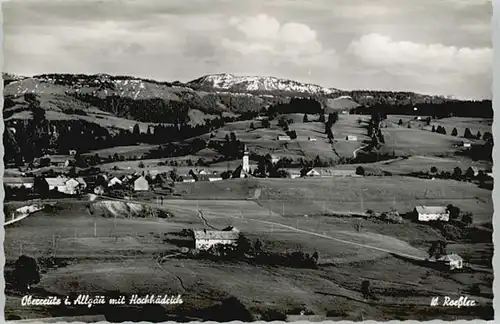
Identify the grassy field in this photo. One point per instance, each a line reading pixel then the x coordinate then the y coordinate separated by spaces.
pixel 313 195
pixel 125 151
pixel 124 247
pixel 418 163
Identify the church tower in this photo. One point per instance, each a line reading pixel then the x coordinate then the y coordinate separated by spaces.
pixel 246 165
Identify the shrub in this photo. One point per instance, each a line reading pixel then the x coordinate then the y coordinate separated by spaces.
pixel 434 169
pixel 365 289
pixel 469 173
pixel 400 122
pixel 454 132
pixel 141 165
pixel 467 218
pixel 305 120
pixel 475 289
pixel 360 171
pixel 26 272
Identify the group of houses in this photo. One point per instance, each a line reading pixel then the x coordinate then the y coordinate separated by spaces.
pixel 69 186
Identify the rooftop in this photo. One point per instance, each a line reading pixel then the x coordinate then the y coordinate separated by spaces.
pixel 450 258
pixel 431 210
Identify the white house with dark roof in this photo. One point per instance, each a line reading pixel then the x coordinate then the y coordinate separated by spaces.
pixel 205 239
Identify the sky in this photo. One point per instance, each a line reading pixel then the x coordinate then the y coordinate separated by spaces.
pixel 440 47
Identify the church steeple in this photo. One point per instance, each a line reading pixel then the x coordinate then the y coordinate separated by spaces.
pixel 246 164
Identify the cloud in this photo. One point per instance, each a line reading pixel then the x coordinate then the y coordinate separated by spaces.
pixel 382 52
pixel 266 37
pixel 430 68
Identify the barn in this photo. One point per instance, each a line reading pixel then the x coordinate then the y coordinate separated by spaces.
pixel 432 213
pixel 205 239
pixel 141 184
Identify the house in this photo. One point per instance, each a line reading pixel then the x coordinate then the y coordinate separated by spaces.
pixel 311 139
pixel 82 183
pixel 309 172
pixel 72 187
pixel 214 177
pixel 141 184
pixel 351 138
pixel 99 190
pixel 18 182
pixel 453 261
pixel 466 144
pixel 205 239
pixel 274 159
pixel 61 161
pixel 202 172
pixel 114 181
pixel 475 170
pixel 68 186
pixel 72 152
pixel 58 184
pixel 294 175
pixel 284 138
pixel 432 213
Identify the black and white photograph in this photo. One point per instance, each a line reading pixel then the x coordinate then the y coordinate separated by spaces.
pixel 263 160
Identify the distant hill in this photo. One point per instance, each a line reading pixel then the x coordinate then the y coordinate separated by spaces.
pixel 101 107
pixel 258 85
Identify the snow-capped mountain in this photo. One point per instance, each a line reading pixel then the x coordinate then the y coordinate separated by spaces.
pixel 233 83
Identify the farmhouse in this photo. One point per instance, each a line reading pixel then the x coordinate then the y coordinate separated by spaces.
pixel 61 161
pixel 141 184
pixel 205 239
pixel 351 138
pixel 453 261
pixel 432 213
pixel 310 172
pixel 63 185
pixel 284 138
pixel 18 182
